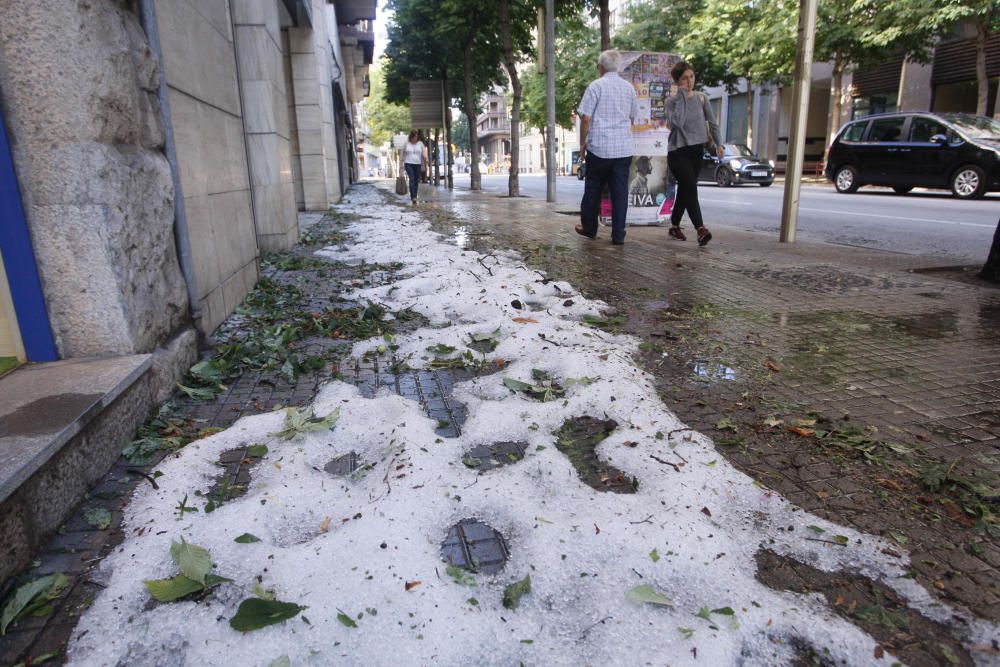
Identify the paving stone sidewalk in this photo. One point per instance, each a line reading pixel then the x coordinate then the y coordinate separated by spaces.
pixel 889 378
pixel 862 385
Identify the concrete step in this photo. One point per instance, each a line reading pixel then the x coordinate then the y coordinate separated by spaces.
pixel 62 426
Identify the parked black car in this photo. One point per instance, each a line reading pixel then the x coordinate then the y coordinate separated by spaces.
pixel 739 165
pixel 954 151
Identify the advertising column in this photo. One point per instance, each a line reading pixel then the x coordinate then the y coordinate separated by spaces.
pixel 651 187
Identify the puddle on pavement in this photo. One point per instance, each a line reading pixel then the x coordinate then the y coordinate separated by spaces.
pixel 475 546
pixel 710 371
pixel 989 321
pixel 937 324
pixel 577 439
pixel 872 606
pixel 488 457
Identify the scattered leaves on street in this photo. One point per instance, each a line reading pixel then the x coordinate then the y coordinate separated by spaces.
pixel 33 598
pixel 255 613
pixel 298 422
pixel 645 593
pixel 513 593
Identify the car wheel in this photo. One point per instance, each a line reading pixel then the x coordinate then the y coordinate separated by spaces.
pixel 723 177
pixel 766 185
pixel 579 174
pixel 902 189
pixel 846 180
pixel 969 182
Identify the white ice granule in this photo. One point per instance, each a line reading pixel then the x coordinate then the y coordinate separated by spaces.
pixel 339 544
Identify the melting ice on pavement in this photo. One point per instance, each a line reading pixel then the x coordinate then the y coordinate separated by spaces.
pixel 350 545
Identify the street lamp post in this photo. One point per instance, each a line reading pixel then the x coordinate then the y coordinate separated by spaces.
pixel 550 101
pixel 800 113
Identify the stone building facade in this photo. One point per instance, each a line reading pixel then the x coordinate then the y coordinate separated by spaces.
pixel 158 147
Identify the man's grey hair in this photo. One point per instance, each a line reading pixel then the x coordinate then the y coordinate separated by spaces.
pixel 610 61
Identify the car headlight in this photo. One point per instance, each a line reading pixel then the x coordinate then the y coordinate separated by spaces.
pixel 771 162
pixel 735 165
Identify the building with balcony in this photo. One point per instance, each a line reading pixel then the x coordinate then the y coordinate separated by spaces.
pixel 493 128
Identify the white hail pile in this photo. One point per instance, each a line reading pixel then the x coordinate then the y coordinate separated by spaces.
pixel 345 545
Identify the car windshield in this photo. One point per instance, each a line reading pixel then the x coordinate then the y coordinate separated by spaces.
pixel 975 127
pixel 738 150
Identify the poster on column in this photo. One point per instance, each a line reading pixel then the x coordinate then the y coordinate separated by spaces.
pixel 651 187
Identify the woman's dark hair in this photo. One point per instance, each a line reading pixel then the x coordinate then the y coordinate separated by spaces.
pixel 677 71
pixel 413 135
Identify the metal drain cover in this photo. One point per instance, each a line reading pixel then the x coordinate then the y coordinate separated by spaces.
pixel 475 546
pixel 343 465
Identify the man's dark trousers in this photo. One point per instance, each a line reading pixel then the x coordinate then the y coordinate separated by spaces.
pixel 614 172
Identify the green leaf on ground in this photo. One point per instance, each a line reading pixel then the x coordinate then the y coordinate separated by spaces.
pixel 346 620
pixel 816 529
pixel 281 661
pixel 441 349
pixel 687 632
pixel 949 655
pixel 247 538
pixel 31 597
pixel 255 614
pixel 460 576
pixel 899 537
pixel 513 593
pixel 168 590
pixel 725 611
pixel 725 424
pixel 654 555
pixel 646 593
pixel 98 517
pixel 516 385
pixel 256 451
pixel 199 394
pixel 193 561
pixel 298 422
pixel 841 539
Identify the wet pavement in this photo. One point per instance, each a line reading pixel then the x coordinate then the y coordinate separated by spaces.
pixel 863 391
pixel 862 385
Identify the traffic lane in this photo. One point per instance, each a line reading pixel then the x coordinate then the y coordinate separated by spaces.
pixel 926 224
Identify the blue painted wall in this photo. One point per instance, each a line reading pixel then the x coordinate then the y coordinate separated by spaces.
pixel 19 260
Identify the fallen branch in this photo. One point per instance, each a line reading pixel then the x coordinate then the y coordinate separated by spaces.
pixel 133 471
pixel 666 463
pixel 646 520
pixel 606 618
pixel 818 539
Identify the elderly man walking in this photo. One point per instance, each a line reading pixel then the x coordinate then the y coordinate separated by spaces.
pixel 606 112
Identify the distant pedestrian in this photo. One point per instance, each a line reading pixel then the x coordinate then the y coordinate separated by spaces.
pixel 606 112
pixel 414 158
pixel 690 118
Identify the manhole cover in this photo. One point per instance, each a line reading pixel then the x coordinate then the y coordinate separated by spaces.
pixel 488 457
pixel 343 465
pixel 475 546
pixel 578 438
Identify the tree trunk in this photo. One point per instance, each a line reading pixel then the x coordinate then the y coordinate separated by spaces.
pixel 749 113
pixel 836 98
pixel 991 270
pixel 982 31
pixel 475 179
pixel 513 187
pixel 437 153
pixel 605 26
pixel 450 159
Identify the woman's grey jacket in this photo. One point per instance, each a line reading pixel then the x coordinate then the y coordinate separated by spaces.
pixel 687 113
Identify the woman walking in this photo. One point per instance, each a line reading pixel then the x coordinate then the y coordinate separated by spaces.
pixel 414 157
pixel 690 119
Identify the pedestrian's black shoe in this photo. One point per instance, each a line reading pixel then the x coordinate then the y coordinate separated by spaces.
pixel 617 241
pixel 579 230
pixel 676 233
pixel 704 236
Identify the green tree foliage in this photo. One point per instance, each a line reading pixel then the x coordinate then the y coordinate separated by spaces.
pixel 460 133
pixel 913 24
pixel 576 50
pixel 452 40
pixel 749 39
pixel 656 25
pixel 384 118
